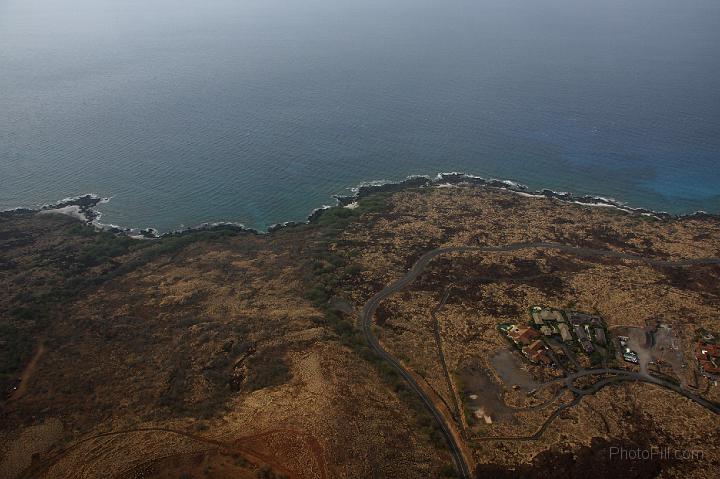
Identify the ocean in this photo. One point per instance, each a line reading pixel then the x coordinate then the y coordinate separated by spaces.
pixel 258 111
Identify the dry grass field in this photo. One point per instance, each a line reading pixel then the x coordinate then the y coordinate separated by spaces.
pixel 225 353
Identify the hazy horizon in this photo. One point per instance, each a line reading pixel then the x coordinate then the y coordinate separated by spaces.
pixel 256 112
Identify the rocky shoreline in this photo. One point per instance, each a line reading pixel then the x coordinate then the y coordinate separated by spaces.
pixel 84 207
pixel 463 179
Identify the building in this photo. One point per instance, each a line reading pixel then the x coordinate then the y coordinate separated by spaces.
pixel 600 336
pixel 541 316
pixel 565 332
pixel 580 332
pixel 537 352
pixel 587 345
pixel 524 335
pixel 542 357
pixel 548 330
pixel 533 347
pixel 708 357
pixel 583 318
pixel 709 367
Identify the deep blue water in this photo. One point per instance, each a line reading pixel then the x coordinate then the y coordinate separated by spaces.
pixel 257 111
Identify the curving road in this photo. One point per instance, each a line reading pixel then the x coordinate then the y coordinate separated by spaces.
pixel 369 309
pixel 623 375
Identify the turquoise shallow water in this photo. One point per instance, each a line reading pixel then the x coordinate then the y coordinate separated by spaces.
pixel 258 111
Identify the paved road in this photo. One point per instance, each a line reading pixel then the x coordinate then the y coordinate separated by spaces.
pixel 420 265
pixel 623 375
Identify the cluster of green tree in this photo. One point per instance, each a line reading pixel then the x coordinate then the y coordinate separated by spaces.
pixel 328 271
pixel 15 351
pixel 448 470
pixel 266 472
pixel 266 369
pixel 27 313
pixel 217 370
pixel 174 395
pixel 108 246
pixel 100 256
pixel 333 221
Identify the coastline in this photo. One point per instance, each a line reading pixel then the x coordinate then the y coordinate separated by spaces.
pixel 84 207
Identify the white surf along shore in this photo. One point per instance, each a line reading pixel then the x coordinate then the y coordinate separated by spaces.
pixel 84 207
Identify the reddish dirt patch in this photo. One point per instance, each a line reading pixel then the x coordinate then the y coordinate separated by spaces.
pixel 28 372
pixel 211 464
pixel 288 450
pixel 276 453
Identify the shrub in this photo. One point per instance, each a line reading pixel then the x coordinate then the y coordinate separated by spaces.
pixel 448 470
pixel 267 369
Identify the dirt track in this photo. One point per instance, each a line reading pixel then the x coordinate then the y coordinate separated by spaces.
pixel 29 371
pixel 241 446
